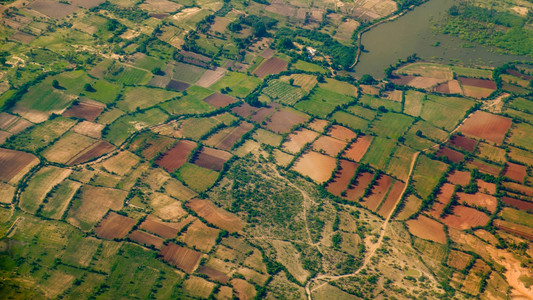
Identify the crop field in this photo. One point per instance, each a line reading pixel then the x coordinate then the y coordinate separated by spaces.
pixel 89 129
pixel 183 258
pixel 193 128
pixel 418 82
pixel 392 199
pixel 219 100
pixel 515 171
pixel 309 67
pixel 85 110
pixel 463 142
pixel 272 65
pixel 379 152
pixel 342 177
pixel 191 103
pixel 283 92
pixel 362 112
pixel 67 147
pixel 478 200
pixel 96 150
pixel 472 72
pixel 521 155
pixel 318 125
pixel 239 84
pixel 484 167
pixel 114 226
pixel 375 103
pixel 351 121
pixel 166 230
pixel 516 216
pixel 357 150
pixel 146 239
pixel 56 204
pixel 520 136
pixel 477 88
pixel 211 158
pixel 304 81
pixel 400 162
pixel 426 174
pixel 176 85
pixel 176 156
pixel 459 177
pixel 143 97
pixel 121 163
pixel 341 133
pixel 486 126
pixel 284 119
pixel 316 166
pixel 267 137
pixel 126 125
pixel 414 101
pixel 450 87
pixel 328 145
pixel 227 137
pixel 391 125
pixel 427 70
pixel 42 182
pixel 465 217
pixel 199 236
pixel 426 228
pixel 150 145
pixel 215 215
pixel 41 135
pixel 340 87
pixel 322 102
pixel 298 139
pixel 450 154
pixel 520 230
pixel 377 193
pixel 444 197
pixel 518 204
pixel 41 100
pixel 435 106
pixel 197 178
pixel 15 164
pixel 357 190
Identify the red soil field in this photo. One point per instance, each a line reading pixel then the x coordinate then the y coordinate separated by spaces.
pixel 183 258
pixel 244 110
pixel 160 16
pixel 478 82
pixel 520 230
pixel 84 110
pixel 297 140
pixel 342 177
pixel 450 87
pixel 7 120
pixel 328 145
pixel 96 150
pixel 478 199
pixel 315 165
pixel 515 171
pixel 318 125
pixel 443 197
pixel 264 112
pixel 392 198
pixel 428 229
pixel 486 187
pixel 153 147
pixel 459 177
pixel 378 192
pixel 452 155
pixel 519 204
pixel 219 100
pixel 216 215
pixel 176 156
pixel 212 158
pixel 177 85
pixel 146 239
pixel 463 142
pixel 458 260
pixel 342 133
pixel 522 189
pixel 357 190
pixel 485 168
pixel 283 121
pixel 358 149
pixel 518 74
pixel 402 79
pixel 163 229
pixel 486 126
pixel 273 65
pixel 227 142
pixel 213 274
pixel 14 162
pixel 465 217
pixel 114 226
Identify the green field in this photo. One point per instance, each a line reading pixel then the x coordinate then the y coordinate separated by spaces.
pixel 195 128
pixel 445 112
pixel 379 152
pixel 143 97
pixel 322 102
pixel 414 101
pixel 472 72
pixel 362 112
pixel 375 103
pixel 41 135
pixel 123 74
pixel 43 97
pixel 240 84
pixel 351 121
pixel 340 87
pixel 190 103
pixel 521 136
pixel 186 73
pixel 401 162
pixel 521 104
pixel 517 216
pixel 124 126
pixel 391 125
pixel 426 174
pixel 196 178
pixel 283 92
pixel 308 67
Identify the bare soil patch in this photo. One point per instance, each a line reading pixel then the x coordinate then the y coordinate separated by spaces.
pixel 214 274
pixel 146 239
pixel 176 156
pixel 15 164
pixel 53 9
pixel 443 198
pixel 450 87
pixel 428 229
pixel 282 121
pixel 219 100
pixel 183 258
pixel 478 200
pixel 486 126
pixel 6 120
pixel 226 138
pixel 392 198
pixel 318 125
pixel 22 37
pixel 478 82
pixel 515 171
pixel 216 215
pixel 114 226
pixel 168 230
pixel 342 177
pixel 459 177
pixel 244 110
pixel 378 192
pixel 210 77
pixel 89 129
pixel 526 190
pixel 298 139
pixel 122 163
pixel 96 150
pixel 520 230
pixel 358 149
pixel 177 85
pixel 200 236
pixel 342 133
pixel 458 260
pixel 463 142
pixel 465 217
pixel 484 167
pixel 212 158
pixel 452 155
pixel 272 65
pixel 519 204
pixel 84 110
pixel 264 112
pixel 328 145
pixel 315 165
pixel 357 190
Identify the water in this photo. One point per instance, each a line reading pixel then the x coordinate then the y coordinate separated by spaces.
pixel 413 33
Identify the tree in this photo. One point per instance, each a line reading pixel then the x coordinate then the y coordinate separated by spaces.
pixel 291 81
pixel 259 29
pixel 88 88
pixel 55 84
pixel 367 79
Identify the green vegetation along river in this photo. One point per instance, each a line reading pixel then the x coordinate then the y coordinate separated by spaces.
pixel 412 33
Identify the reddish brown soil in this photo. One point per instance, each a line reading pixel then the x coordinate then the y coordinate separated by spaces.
pixel 522 189
pixel 478 200
pixel 518 74
pixel 318 125
pixel 163 229
pixel 519 204
pixel 7 120
pixel 443 197
pixel 342 133
pixel 315 165
pixel 13 162
pixel 219 100
pixel 465 217
pixel 176 156
pixel 114 226
pixel 155 146
pixel 515 172
pixel 378 192
pixel 329 145
pixel 53 9
pixel 442 88
pixel 486 187
pixel 485 168
pixel 402 79
pixel 177 85
pixel 146 239
pixel 358 149
pixel 486 126
pixel 264 112
pixel 244 110
pixel 478 82
pixel 450 87
pixel 226 142
pixel 428 229
pixel 342 177
pixel 183 258
pixel 463 142
pixel 283 121
pixel 392 198
pixel 520 230
pixel 212 158
pixel 452 155
pixel 459 177
pixel 216 215
pixel 83 110
pixel 214 274
pixel 458 260
pixel 357 190
pixel 159 16
pixel 298 139
pixel 273 65
pixel 96 150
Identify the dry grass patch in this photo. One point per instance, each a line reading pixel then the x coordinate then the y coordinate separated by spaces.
pixel 114 226
pixel 40 184
pixel 199 236
pixel 122 163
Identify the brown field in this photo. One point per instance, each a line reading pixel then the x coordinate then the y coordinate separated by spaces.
pixel 515 171
pixel 272 65
pixel 22 37
pixel 216 215
pixel 478 82
pixel 328 145
pixel 378 192
pixel 6 120
pixel 476 92
pixel 89 129
pixel 155 146
pixel 486 126
pixel 53 9
pixel 465 217
pixel 227 137
pixel 214 274
pixel 283 120
pixel 243 289
pixel 358 149
pixel 96 150
pixel 264 112
pixel 212 158
pixel 357 190
pixel 19 125
pixel 68 147
pixel 183 258
pixel 219 100
pixel 463 142
pixel 176 156
pixel 298 139
pixel 458 260
pixel 210 77
pixel 443 197
pixel 450 87
pixel 392 198
pixel 428 229
pixel 518 74
pixel 315 165
pixel 3 136
pixel 519 204
pixel 146 239
pixel 15 164
pixel 114 226
pixel 342 177
pixel 416 81
pixel 6 193
pixel 522 189
pixel 200 236
pixel 197 287
pixel 318 125
pixel 520 230
pixel 459 177
pixel 452 155
pixel 244 110
pixel 177 85
pixel 122 163
pixel 88 110
pixel 484 167
pixel 478 199
pixel 167 230
pixel 395 95
pixel 342 133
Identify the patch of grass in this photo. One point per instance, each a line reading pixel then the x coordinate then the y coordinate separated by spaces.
pixel 517 216
pixel 308 67
pixel 322 102
pixel 186 73
pixel 125 126
pixel 426 174
pixel 362 112
pixel 472 72
pixel 445 112
pixel 197 178
pixel 349 120
pixel 400 162
pixel 190 103
pixel 123 74
pixel 391 125
pixel 239 83
pixel 41 135
pixel 414 101
pixel 521 135
pixel 375 103
pixel 143 97
pixel 340 87
pixel 379 152
pixel 43 97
